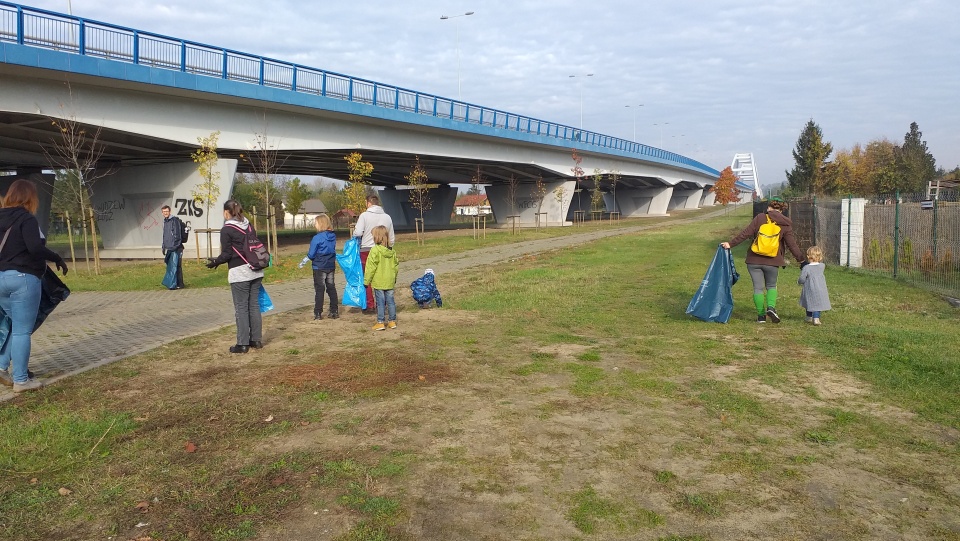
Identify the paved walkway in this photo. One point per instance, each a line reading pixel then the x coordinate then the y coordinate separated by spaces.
pixel 91 329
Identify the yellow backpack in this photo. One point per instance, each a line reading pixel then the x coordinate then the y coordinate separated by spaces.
pixel 767 242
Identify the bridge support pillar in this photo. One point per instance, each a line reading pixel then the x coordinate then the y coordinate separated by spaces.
pixel 644 201
pixel 127 204
pixel 396 203
pixel 685 199
pixel 527 203
pixel 709 198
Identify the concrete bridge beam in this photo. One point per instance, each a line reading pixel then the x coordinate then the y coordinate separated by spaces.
pixel 644 201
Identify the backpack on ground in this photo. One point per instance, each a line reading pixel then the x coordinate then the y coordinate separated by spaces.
pixel 767 242
pixel 252 251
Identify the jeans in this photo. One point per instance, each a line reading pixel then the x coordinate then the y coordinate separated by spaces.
pixel 323 280
pixel 20 300
pixel 246 304
pixel 385 296
pixel 813 314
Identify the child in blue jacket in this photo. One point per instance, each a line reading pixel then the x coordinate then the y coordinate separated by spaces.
pixel 425 290
pixel 323 250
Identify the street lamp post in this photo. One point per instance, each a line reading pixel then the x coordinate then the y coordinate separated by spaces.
pixel 661 132
pixel 457 27
pixel 635 109
pixel 581 95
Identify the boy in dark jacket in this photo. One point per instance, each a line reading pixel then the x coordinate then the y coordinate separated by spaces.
pixel 425 290
pixel 323 249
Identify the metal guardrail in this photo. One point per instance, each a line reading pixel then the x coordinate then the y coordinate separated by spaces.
pixel 34 27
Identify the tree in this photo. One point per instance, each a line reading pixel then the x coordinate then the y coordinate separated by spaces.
pixel 884 177
pixel 297 193
pixel 207 192
pixel 596 196
pixel 264 163
pixel 850 172
pixel 77 151
pixel 725 188
pixel 419 193
pixel 540 191
pixel 614 180
pixel 560 194
pixel 915 163
pixel 355 192
pixel 513 185
pixel 811 153
pixel 577 173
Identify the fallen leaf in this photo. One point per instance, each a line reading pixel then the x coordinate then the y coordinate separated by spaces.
pixel 213 418
pixel 268 419
pixel 421 377
pixel 34 481
pixel 142 524
pixel 64 491
pixel 140 419
pixel 143 506
pixel 190 447
pixel 304 423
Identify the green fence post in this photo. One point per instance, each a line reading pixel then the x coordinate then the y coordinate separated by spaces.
pixel 896 235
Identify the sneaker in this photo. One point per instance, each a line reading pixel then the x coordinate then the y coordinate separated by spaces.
pixel 239 349
pixel 816 321
pixel 5 378
pixel 774 317
pixel 761 318
pixel 317 316
pixel 809 319
pixel 391 324
pixel 379 326
pixel 334 315
pixel 28 385
pixel 256 344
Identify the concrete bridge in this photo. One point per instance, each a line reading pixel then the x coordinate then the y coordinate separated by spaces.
pixel 151 97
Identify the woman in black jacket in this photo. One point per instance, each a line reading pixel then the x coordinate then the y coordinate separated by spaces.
pixel 23 260
pixel 244 281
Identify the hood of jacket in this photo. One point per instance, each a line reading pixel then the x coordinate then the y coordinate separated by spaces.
pixel 778 217
pixel 375 209
pixel 11 216
pixel 242 223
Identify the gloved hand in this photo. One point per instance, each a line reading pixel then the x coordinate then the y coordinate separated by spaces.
pixel 62 267
pixel 212 263
pixel 303 262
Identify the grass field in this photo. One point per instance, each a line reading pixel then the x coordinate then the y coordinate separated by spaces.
pixel 564 395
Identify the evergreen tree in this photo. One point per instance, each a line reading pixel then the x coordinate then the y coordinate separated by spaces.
pixel 915 164
pixel 809 176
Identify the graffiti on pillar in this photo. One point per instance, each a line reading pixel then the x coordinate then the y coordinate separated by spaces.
pixel 106 209
pixel 149 213
pixel 189 207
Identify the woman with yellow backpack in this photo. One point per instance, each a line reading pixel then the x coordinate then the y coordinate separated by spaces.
pixel 770 231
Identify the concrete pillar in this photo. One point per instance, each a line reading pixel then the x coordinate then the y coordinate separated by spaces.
pixel 397 204
pixel 128 204
pixel 685 199
pixel 709 198
pixel 851 231
pixel 644 201
pixel 527 203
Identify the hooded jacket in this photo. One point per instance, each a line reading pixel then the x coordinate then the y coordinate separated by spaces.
pixel 230 238
pixel 25 249
pixel 383 265
pixel 323 251
pixel 787 240
pixel 370 218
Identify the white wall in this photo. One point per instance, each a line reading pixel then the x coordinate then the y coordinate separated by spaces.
pixel 851 219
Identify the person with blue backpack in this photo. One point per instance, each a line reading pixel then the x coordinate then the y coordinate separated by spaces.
pixel 770 232
pixel 322 253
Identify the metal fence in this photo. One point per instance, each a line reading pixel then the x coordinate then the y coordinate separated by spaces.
pixel 906 236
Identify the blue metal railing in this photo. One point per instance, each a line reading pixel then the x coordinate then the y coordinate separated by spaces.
pixel 25 25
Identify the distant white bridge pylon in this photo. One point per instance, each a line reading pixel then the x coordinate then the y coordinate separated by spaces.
pixel 746 170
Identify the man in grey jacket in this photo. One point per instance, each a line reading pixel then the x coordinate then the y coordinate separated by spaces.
pixel 172 248
pixel 370 218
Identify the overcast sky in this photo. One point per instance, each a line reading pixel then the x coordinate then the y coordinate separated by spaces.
pixel 717 77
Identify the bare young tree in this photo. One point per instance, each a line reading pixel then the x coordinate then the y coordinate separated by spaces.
pixel 513 184
pixel 263 159
pixel 78 151
pixel 208 191
pixel 540 190
pixel 419 195
pixel 614 180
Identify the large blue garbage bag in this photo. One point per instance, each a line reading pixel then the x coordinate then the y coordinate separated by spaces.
pixel 354 293
pixel 713 301
pixel 172 259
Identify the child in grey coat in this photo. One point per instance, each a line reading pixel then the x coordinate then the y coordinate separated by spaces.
pixel 814 297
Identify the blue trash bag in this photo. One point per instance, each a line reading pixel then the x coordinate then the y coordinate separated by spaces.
pixel 264 300
pixel 170 278
pixel 713 301
pixel 354 293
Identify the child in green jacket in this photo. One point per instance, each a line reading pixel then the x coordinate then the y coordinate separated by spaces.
pixel 382 268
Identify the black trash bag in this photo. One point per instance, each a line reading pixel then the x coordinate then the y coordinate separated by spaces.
pixel 713 301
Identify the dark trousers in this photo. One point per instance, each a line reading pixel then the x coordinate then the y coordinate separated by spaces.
pixel 323 280
pixel 246 304
pixel 363 264
pixel 180 268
